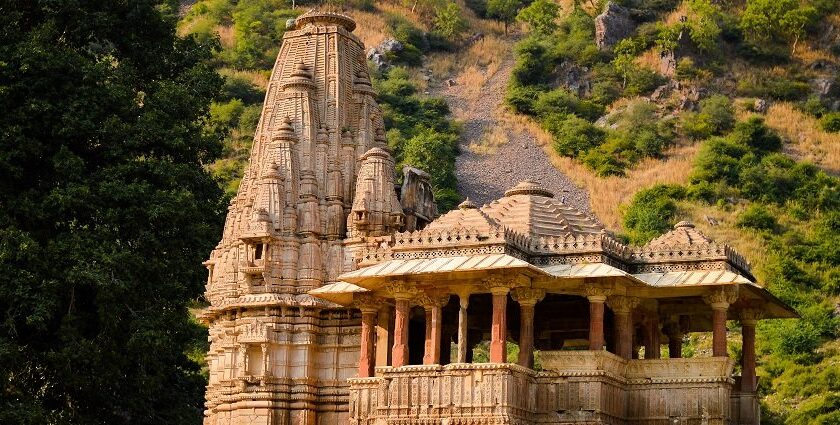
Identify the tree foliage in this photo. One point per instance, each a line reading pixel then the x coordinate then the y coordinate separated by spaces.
pixel 504 10
pixel 787 20
pixel 540 16
pixel 448 21
pixel 107 213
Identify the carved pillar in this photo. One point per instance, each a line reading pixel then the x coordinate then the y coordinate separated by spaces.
pixel 527 299
pixel 597 297
pixel 498 331
pixel 399 354
pixel 402 292
pixel 369 306
pixel 719 300
pixel 433 305
pixel 463 344
pixel 748 321
pixel 383 336
pixel 623 307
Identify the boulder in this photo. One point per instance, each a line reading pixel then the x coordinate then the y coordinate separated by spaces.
pixel 613 25
pixel 390 45
pixel 573 78
pixel 379 61
pixel 824 87
pixel 761 105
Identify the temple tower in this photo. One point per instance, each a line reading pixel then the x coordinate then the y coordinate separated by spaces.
pixel 277 355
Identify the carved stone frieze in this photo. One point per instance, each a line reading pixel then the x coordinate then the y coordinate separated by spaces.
pixel 528 296
pixel 721 297
pixel 622 304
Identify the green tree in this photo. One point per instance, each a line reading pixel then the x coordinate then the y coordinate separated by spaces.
pixel 625 56
pixel 777 19
pixel 106 213
pixel 504 10
pixel 448 21
pixel 540 16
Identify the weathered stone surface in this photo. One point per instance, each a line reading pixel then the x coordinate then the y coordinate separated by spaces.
pixel 612 25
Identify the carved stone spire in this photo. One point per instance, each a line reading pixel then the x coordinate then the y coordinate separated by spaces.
pixel 376 209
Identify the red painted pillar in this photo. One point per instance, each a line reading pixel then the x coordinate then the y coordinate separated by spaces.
pixel 399 354
pixel 596 322
pixel 623 308
pixel 748 381
pixel 431 354
pixel 526 335
pixel 498 331
pixel 367 357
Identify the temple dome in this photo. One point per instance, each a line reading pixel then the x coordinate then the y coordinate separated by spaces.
pixel 683 234
pixel 466 216
pixel 532 210
pixel 320 18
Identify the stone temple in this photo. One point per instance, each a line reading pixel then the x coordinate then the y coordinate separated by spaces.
pixel 338 297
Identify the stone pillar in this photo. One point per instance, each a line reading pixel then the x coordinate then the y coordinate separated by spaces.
pixel 433 305
pixel 399 354
pixel 652 339
pixel 367 357
pixel 383 336
pixel 623 307
pixel 527 299
pixel 674 340
pixel 597 297
pixel 719 300
pixel 463 344
pixel 748 321
pixel 498 330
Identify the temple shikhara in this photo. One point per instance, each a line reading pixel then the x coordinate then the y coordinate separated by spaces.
pixel 339 295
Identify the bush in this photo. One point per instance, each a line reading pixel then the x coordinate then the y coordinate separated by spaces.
pixel 434 153
pixel 716 116
pixel 226 114
pixel 651 212
pixel 540 16
pixel 561 101
pixel 572 135
pixel 756 217
pixel 241 88
pixel 831 122
pixel 773 87
pixel 448 21
pixel 534 62
pixel 522 98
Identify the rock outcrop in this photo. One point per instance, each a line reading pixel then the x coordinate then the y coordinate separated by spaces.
pixel 613 25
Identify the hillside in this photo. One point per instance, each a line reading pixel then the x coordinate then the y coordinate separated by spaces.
pixel 724 113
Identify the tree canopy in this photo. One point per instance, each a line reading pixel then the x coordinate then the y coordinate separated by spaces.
pixel 106 212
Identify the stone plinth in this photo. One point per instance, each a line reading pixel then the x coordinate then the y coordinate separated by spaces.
pixel 577 387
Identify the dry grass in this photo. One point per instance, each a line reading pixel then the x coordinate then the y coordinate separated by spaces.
pixel 490 141
pixel 807 140
pixel 258 78
pixel 370 28
pixel 227 36
pixel 649 59
pixel 676 14
pixel 608 194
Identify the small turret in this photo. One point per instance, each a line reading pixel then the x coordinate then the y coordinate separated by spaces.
pixel 376 210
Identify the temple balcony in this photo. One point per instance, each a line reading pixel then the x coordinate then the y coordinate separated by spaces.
pixel 575 387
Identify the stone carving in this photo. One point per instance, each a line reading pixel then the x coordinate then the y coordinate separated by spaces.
pixel 721 297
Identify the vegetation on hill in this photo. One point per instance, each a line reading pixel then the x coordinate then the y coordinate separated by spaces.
pixel 107 213
pixel 612 109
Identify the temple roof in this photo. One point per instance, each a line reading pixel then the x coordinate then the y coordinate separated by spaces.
pixel 683 234
pixel 466 216
pixel 532 210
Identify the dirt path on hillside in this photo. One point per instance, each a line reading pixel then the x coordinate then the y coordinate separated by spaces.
pixel 485 171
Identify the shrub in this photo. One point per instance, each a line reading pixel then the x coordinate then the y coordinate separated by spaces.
pixel 448 21
pixel 756 217
pixel 572 135
pixel 755 135
pixel 716 116
pixel 561 101
pixel 226 114
pixel 651 212
pixel 522 98
pixel 774 87
pixel 534 62
pixel 241 88
pixel 540 16
pixel 831 122
pixel 812 106
pixel 434 153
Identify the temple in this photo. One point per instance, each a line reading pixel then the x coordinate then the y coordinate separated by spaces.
pixel 338 296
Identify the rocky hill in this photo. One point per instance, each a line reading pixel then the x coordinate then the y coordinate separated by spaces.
pixel 642 112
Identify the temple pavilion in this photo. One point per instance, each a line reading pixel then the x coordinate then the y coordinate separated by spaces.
pixel 606 321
